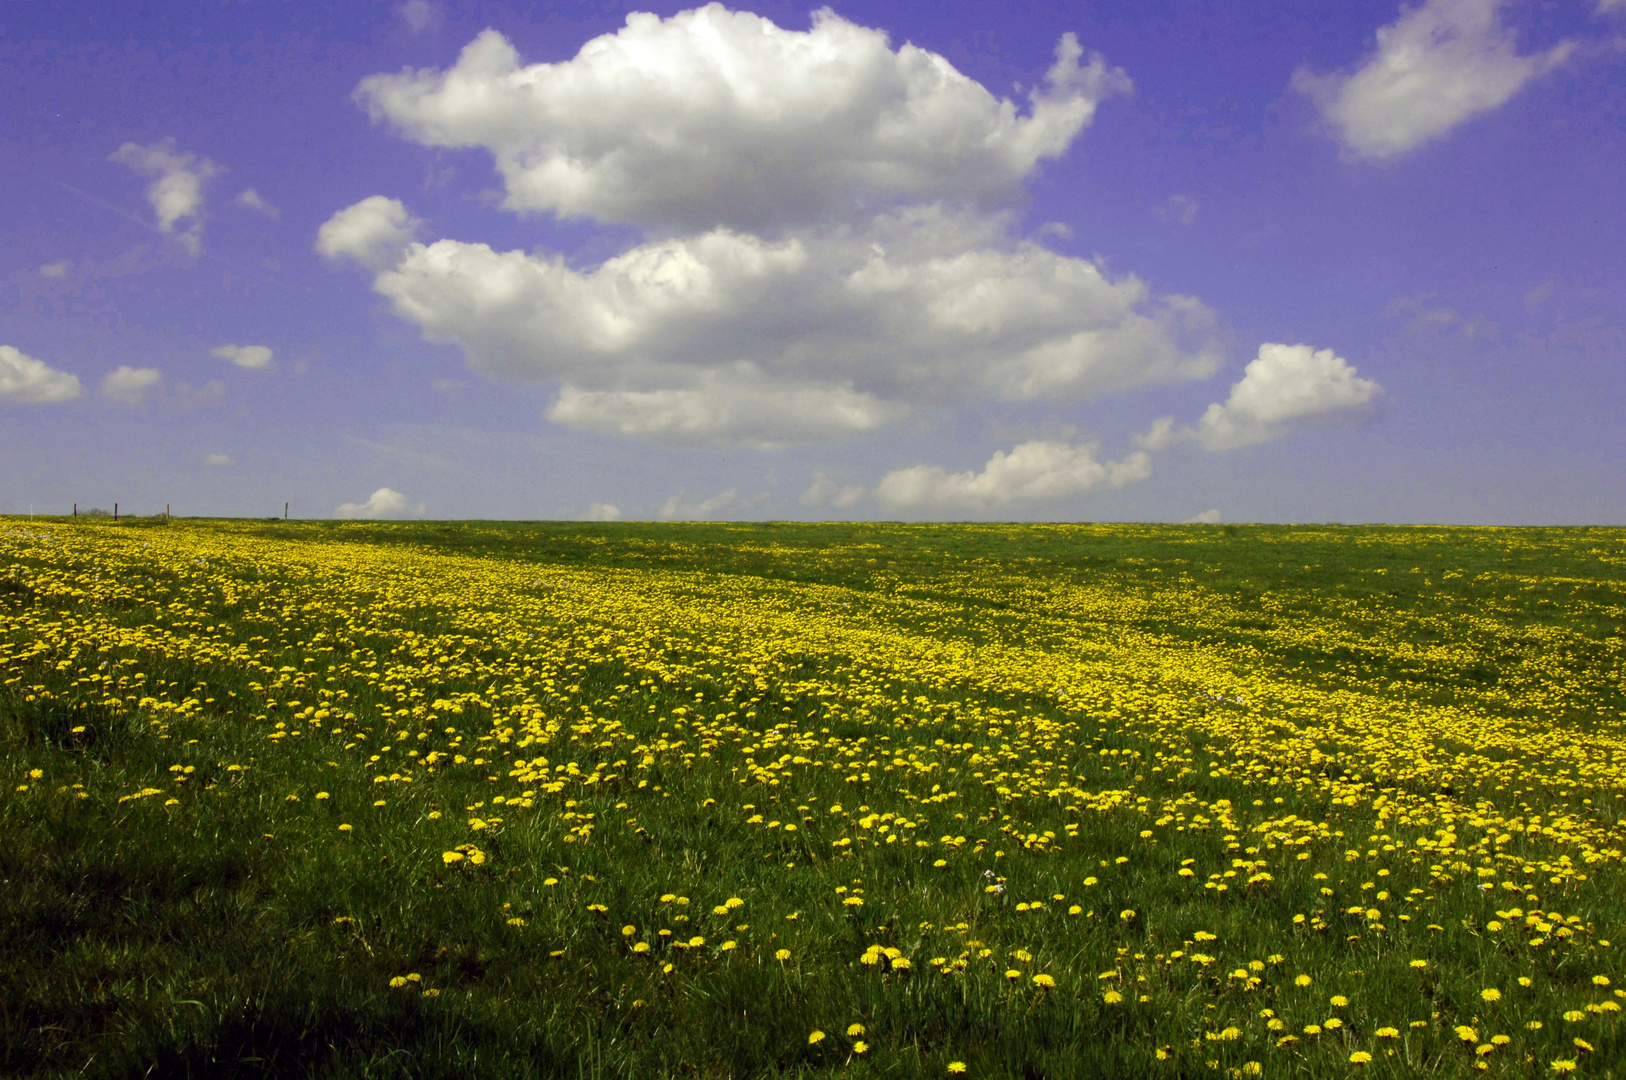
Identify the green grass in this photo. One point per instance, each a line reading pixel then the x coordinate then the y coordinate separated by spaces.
pixel 1195 669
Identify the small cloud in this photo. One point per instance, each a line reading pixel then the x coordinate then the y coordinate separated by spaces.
pixel 1207 517
pixel 374 232
pixel 207 396
pixel 249 199
pixel 446 386
pixel 131 385
pixel 248 357
pixel 56 269
pixel 1030 472
pixel 383 503
pixel 27 381
pixel 1286 386
pixel 419 15
pixel 827 492
pixel 675 509
pixel 1439 65
pixel 176 193
pixel 1181 208
pixel 219 461
pixel 602 512
pixel 1540 294
pixel 1473 327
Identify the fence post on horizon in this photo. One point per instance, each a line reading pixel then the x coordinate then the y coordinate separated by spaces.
pixel 166 511
pixel 115 511
pixel 285 511
pixel 75 509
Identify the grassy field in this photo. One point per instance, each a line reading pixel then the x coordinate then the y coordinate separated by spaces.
pixel 497 800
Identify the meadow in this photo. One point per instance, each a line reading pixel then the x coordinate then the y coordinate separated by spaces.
pixel 635 800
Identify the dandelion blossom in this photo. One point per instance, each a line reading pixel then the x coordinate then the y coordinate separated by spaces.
pixel 815 1037
pixel 1490 993
pixel 1359 1057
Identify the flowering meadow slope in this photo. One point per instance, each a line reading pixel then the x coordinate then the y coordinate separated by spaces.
pixel 639 800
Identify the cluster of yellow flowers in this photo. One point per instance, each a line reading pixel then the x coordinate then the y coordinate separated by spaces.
pixel 995 722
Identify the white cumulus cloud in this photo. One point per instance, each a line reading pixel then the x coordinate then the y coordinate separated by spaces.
pixel 219 461
pixel 829 240
pixel 1440 64
pixel 249 199
pixel 727 337
pixel 602 512
pixel 375 232
pixel 248 357
pixel 383 503
pixel 1207 517
pixel 27 381
pixel 56 270
pixel 131 385
pixel 1030 472
pixel 1283 387
pixel 716 117
pixel 176 192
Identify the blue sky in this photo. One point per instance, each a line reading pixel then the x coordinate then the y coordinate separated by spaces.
pixel 1246 262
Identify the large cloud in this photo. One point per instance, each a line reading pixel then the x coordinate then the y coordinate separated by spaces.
pixel 715 117
pixel 1284 387
pixel 1031 472
pixel 27 381
pixel 825 249
pixel 728 337
pixel 1438 65
pixel 176 192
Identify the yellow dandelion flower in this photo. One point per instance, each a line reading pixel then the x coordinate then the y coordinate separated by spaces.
pixel 1359 1057
pixel 815 1037
pixel 1490 993
pixel 956 1066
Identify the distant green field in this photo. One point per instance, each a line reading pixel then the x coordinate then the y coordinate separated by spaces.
pixel 648 800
